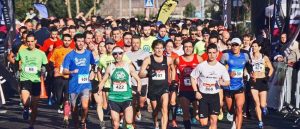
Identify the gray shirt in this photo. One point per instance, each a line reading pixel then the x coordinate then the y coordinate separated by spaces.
pixel 137 59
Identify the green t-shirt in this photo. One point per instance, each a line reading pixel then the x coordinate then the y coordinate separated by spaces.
pixel 120 88
pixel 31 63
pixel 105 61
pixel 199 48
pixel 146 44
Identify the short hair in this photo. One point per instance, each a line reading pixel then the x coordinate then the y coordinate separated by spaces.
pixel 66 35
pixel 127 33
pixel 53 29
pixel 157 42
pixel 161 26
pixel 257 42
pixel 211 46
pixel 247 35
pixel 78 36
pixel 72 27
pixel 187 41
pixel 116 29
pixel 30 35
pixel 87 32
pixel 193 29
pixel 136 37
pixel 213 36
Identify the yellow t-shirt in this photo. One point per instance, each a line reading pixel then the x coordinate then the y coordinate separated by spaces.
pixel 146 44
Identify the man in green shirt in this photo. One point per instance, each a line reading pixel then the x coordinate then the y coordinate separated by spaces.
pixel 32 63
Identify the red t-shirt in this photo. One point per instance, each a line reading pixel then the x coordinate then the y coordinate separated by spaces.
pixel 185 69
pixel 120 43
pixel 49 43
pixel 205 56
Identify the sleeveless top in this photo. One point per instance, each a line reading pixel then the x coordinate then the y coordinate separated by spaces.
pixel 120 88
pixel 185 70
pixel 258 65
pixel 158 72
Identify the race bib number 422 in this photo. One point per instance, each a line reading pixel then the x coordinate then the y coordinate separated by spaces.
pixel 83 78
pixel 31 69
pixel 119 86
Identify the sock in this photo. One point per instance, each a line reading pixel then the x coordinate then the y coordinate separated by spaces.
pixel 173 109
pixel 187 124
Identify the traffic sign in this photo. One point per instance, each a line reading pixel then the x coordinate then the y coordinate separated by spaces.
pixel 148 3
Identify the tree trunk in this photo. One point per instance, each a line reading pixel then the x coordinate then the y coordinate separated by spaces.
pixel 69 8
pixel 77 7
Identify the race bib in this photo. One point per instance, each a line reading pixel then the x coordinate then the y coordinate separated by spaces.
pixel 119 86
pixel 209 87
pixel 159 75
pixel 258 68
pixel 238 73
pixel 83 78
pixel 31 69
pixel 187 81
pixel 61 68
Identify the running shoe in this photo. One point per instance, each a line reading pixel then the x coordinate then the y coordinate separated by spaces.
pixel 156 125
pixel 220 116
pixel 83 126
pixel 129 127
pixel 102 125
pixel 265 110
pixel 138 117
pixel 233 125
pixel 121 123
pixel 26 114
pixel 260 125
pixel 174 124
pixel 31 127
pixel 229 117
pixel 49 102
pixel 60 111
pixel 194 121
pixel 66 123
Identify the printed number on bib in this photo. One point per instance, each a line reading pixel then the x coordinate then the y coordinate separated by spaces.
pixel 238 73
pixel 31 69
pixel 83 78
pixel 187 81
pixel 258 68
pixel 159 75
pixel 209 86
pixel 119 86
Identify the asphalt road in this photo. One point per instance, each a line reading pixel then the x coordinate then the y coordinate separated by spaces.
pixel 48 118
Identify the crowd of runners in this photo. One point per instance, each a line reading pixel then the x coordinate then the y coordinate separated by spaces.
pixel 191 67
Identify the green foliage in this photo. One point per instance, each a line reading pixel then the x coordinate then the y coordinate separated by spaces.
pixel 140 16
pixel 57 8
pixel 22 7
pixel 189 10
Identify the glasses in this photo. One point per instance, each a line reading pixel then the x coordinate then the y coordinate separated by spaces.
pixel 184 34
pixel 117 53
pixel 193 33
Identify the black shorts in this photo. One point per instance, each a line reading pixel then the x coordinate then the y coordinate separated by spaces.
pixel 143 90
pixel 209 104
pixel 34 88
pixel 95 87
pixel 261 84
pixel 105 89
pixel 190 95
pixel 231 93
pixel 119 106
pixel 156 96
pixel 173 88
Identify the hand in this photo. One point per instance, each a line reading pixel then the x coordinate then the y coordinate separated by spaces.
pixel 221 82
pixel 232 74
pixel 198 95
pixel 75 71
pixel 133 92
pixel 253 76
pixel 100 89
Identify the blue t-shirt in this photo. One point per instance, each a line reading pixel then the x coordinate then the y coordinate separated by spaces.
pixel 165 38
pixel 79 81
pixel 236 64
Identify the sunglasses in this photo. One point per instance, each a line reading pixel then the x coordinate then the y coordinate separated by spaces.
pixel 235 44
pixel 117 53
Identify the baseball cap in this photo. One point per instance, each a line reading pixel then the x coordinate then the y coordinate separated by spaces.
pixel 117 50
pixel 236 40
pixel 109 41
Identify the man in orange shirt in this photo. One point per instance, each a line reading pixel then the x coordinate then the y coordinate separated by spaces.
pixel 117 36
pixel 60 88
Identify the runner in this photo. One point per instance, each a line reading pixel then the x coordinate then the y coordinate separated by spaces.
pixel 259 80
pixel 137 55
pixel 185 64
pixel 173 86
pixel 32 63
pixel 209 76
pixel 234 94
pixel 60 81
pixel 120 93
pixel 147 39
pixel 158 66
pixel 77 64
pixel 95 76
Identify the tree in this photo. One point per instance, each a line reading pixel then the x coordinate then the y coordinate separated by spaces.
pixel 189 10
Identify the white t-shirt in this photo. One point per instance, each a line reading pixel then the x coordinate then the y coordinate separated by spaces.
pixel 208 76
pixel 180 51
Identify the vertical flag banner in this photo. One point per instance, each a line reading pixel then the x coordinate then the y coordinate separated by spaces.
pixel 166 10
pixel 8 11
pixel 42 9
pixel 226 13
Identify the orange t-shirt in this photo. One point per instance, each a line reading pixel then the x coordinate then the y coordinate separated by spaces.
pixel 205 56
pixel 58 57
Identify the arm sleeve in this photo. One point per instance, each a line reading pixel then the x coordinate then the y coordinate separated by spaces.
pixel 224 59
pixel 225 74
pixel 196 72
pixel 92 60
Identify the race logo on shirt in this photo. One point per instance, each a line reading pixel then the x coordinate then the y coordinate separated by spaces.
pixel 146 48
pixel 80 61
pixel 120 75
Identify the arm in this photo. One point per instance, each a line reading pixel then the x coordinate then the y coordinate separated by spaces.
pixel 269 65
pixel 136 77
pixel 200 59
pixel 104 79
pixel 143 71
pixel 194 75
pixel 172 68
